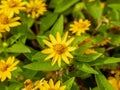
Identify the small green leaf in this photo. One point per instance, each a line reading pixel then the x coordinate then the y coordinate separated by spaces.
pixel 117 23
pixel 18 48
pixel 93 7
pixel 54 3
pixel 13 39
pixel 27 20
pixel 105 60
pixel 115 39
pixel 64 5
pixel 58 26
pixel 38 56
pixel 86 68
pixel 114 6
pixel 88 58
pixel 47 21
pixel 69 83
pixel 40 40
pixel 82 49
pixel 102 82
pixel 42 65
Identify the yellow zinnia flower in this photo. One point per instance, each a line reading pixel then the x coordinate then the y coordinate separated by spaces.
pixel 114 82
pixel 79 27
pixel 6 22
pixel 29 85
pixel 7 67
pixel 58 48
pixel 12 7
pixel 51 86
pixel 35 8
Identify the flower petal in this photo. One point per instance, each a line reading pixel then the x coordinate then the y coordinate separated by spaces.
pixel 49 44
pixel 58 37
pixel 69 41
pixel 46 51
pixel 57 85
pixel 52 39
pixel 65 59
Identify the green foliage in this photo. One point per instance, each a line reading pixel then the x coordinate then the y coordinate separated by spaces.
pixel 97 51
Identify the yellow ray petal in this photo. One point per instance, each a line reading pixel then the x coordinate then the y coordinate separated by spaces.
pixel 52 39
pixel 10 60
pixel 50 56
pixel 65 59
pixel 69 41
pixel 58 37
pixel 68 54
pixel 49 44
pixel 46 51
pixel 54 59
pixel 62 88
pixel 46 84
pixel 57 85
pixel 64 37
pixel 71 48
pixel 59 61
pixel 51 83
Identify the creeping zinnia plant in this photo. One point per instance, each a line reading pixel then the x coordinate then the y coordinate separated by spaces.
pixel 59 45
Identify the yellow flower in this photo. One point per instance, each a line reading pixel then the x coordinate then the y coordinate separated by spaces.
pixel 29 85
pixel 7 67
pixel 79 27
pixel 12 7
pixel 51 86
pixel 6 22
pixel 35 8
pixel 114 82
pixel 58 48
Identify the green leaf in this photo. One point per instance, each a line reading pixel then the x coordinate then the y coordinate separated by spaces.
pixel 23 29
pixel 30 55
pixel 26 20
pixel 115 39
pixel 82 49
pixel 114 6
pixel 38 56
pixel 47 21
pixel 93 7
pixel 42 65
pixel 2 86
pixel 14 86
pixel 78 39
pixel 27 73
pixel 86 68
pixel 40 40
pixel 64 5
pixel 88 58
pixel 58 26
pixel 69 83
pixel 54 3
pixel 105 60
pixel 18 48
pixel 102 82
pixel 117 23
pixel 13 39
